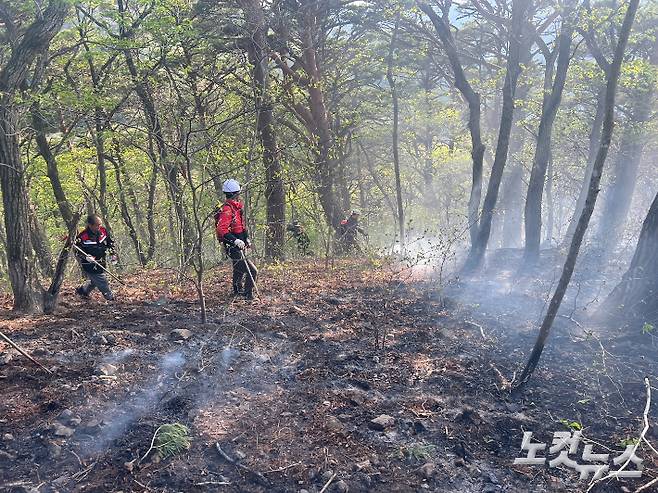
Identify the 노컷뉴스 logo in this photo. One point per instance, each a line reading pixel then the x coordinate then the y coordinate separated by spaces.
pixel 566 444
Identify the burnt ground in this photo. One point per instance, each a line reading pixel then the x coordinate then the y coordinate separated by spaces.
pixel 287 386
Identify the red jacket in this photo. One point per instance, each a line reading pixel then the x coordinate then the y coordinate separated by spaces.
pixel 229 222
pixel 94 244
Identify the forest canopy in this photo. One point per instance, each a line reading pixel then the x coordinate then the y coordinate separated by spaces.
pixel 477 122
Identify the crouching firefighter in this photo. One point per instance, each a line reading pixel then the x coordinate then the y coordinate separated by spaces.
pixel 93 243
pixel 232 232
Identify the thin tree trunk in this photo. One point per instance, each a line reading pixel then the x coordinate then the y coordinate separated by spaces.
pixel 40 244
pixel 51 295
pixel 343 189
pixel 3 249
pixel 617 199
pixel 125 214
pixel 150 213
pixel 129 190
pixel 550 203
pixel 594 137
pixel 429 194
pixel 516 43
pixel 99 144
pixel 275 198
pixel 396 138
pixel 170 170
pixel 612 78
pixel 473 99
pixel 39 126
pixel 551 103
pixel 376 180
pixel 360 178
pixel 511 202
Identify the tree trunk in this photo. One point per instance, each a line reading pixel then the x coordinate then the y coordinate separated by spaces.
pixel 341 184
pixel 612 78
pixel 39 125
pixel 99 144
pixel 51 296
pixel 516 43
pixel 550 106
pixel 3 249
pixel 511 202
pixel 314 114
pixel 275 196
pixel 550 203
pixel 17 225
pixel 170 170
pixel 150 213
pixel 376 179
pixel 325 163
pixel 430 199
pixel 617 199
pixel 125 214
pixel 40 244
pixel 635 298
pixel 396 138
pixel 274 190
pixel 34 42
pixel 473 99
pixel 594 137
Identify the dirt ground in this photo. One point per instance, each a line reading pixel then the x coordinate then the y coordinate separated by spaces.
pixel 288 386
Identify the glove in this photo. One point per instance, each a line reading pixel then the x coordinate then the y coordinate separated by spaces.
pixel 248 243
pixel 239 244
pixel 90 259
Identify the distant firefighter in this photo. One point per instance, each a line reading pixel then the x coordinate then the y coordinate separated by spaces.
pixel 297 232
pixel 346 241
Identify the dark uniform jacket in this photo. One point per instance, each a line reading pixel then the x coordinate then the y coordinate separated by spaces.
pixel 96 245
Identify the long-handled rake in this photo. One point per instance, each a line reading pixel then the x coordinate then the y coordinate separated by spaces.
pixel 253 281
pixel 98 264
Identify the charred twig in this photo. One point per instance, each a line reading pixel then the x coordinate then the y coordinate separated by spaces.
pixel 284 468
pixel 478 326
pixel 504 382
pixel 647 486
pixel 324 488
pixel 151 447
pixel 80 475
pixel 24 353
pixel 258 477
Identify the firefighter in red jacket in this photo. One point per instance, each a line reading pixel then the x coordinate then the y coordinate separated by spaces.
pixel 346 234
pixel 94 242
pixel 232 231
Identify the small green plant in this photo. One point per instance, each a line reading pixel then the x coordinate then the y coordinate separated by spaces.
pixel 572 425
pixel 418 451
pixel 628 441
pixel 171 439
pixel 647 328
pixel 584 401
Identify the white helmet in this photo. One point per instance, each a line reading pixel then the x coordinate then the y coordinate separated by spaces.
pixel 231 186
